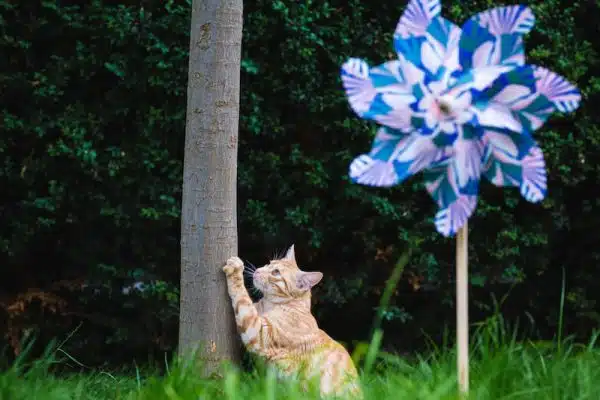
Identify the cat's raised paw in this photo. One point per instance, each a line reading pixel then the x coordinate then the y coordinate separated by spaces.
pixel 234 265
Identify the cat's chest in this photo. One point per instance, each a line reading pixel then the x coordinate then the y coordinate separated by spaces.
pixel 291 321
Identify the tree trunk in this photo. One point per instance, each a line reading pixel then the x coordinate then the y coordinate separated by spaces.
pixel 208 218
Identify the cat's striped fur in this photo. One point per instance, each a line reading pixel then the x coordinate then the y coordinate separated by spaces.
pixel 281 329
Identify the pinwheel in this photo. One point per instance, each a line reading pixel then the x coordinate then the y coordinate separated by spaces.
pixel 457 104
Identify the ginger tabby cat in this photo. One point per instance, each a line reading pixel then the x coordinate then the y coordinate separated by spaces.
pixel 281 329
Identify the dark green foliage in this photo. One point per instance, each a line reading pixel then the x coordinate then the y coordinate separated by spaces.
pixel 91 144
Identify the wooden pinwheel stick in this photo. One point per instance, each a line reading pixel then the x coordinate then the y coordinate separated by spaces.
pixel 462 308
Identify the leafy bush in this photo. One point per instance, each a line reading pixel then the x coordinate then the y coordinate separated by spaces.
pixel 91 145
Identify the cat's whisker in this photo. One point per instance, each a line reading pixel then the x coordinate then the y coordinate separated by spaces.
pixel 251 266
pixel 276 255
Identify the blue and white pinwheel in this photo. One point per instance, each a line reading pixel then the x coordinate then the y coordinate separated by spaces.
pixel 457 104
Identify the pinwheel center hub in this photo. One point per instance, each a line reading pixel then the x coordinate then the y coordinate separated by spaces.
pixel 447 108
pixel 444 107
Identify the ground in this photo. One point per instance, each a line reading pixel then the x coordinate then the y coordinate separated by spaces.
pixel 500 369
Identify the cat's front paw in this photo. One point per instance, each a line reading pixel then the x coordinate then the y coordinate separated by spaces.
pixel 233 266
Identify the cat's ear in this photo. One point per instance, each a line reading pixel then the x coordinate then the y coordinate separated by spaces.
pixel 290 255
pixel 306 280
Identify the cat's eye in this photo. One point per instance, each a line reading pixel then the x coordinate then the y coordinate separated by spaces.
pixel 275 272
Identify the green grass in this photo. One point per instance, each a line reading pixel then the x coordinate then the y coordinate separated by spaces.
pixel 501 368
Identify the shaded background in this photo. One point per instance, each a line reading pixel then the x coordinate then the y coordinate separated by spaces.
pixel 91 148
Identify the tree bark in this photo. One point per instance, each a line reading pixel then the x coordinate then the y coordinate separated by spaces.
pixel 209 215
